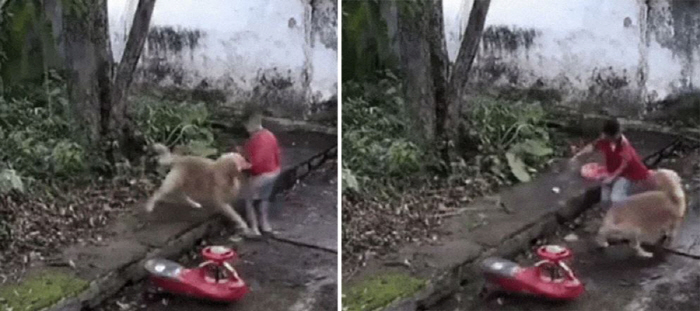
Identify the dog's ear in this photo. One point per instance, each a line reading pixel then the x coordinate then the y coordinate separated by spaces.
pixel 243 164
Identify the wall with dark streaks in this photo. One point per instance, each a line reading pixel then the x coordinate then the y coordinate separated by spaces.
pixel 616 57
pixel 280 54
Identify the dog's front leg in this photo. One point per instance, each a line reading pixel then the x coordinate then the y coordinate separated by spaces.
pixel 636 243
pixel 192 203
pixel 601 238
pixel 229 212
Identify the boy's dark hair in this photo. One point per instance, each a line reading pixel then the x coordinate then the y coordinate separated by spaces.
pixel 611 127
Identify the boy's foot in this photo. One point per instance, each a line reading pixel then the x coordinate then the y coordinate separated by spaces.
pixel 249 233
pixel 269 232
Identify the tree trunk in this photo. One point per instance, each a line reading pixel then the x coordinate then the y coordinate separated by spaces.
pixel 467 51
pixel 439 63
pixel 415 63
pixel 98 92
pixel 87 60
pixel 125 71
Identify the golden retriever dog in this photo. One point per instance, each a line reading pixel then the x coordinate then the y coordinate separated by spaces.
pixel 647 217
pixel 197 181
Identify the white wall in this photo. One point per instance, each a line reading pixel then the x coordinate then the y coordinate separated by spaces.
pixel 577 41
pixel 241 40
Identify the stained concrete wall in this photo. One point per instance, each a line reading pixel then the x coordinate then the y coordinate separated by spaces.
pixel 279 53
pixel 610 55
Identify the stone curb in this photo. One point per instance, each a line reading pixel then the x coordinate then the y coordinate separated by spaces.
pixel 451 279
pixel 109 284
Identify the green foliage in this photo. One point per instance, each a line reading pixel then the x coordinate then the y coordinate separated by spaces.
pixel 376 142
pixel 36 137
pixel 26 41
pixel 39 142
pixel 378 291
pixel 174 124
pixel 502 135
pixel 366 43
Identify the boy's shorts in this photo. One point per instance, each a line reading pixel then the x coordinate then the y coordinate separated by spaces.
pixel 617 191
pixel 622 188
pixel 260 187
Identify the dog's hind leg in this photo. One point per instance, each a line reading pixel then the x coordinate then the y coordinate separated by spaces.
pixel 636 243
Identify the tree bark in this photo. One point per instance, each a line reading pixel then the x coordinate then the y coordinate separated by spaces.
pixel 415 63
pixel 87 60
pixel 467 50
pixel 97 91
pixel 440 66
pixel 125 71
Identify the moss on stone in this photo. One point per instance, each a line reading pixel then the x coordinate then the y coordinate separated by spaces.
pixel 40 291
pixel 379 291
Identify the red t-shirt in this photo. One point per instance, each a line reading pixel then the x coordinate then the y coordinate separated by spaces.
pixel 262 152
pixel 635 170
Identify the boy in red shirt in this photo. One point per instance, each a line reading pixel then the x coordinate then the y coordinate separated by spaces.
pixel 624 165
pixel 263 153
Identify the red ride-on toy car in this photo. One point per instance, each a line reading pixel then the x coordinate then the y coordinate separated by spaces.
pixel 550 278
pixel 215 279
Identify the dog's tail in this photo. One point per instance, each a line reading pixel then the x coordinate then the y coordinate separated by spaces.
pixel 165 157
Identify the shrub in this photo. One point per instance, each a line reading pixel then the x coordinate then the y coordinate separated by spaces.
pixel 174 124
pixel 499 134
pixel 375 141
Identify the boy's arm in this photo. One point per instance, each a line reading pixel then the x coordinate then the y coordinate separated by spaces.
pixel 586 150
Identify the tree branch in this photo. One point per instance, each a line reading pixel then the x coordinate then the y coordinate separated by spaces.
pixel 469 47
pixel 132 52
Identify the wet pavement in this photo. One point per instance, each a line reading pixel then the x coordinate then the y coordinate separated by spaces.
pixel 297 270
pixel 615 279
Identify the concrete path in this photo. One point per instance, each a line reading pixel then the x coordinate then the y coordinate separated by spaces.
pixel 296 272
pixel 505 224
pixel 615 279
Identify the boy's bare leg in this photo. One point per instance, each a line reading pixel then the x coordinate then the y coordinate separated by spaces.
pixel 252 217
pixel 264 216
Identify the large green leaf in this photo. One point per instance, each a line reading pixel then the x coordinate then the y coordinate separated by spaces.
pixel 201 148
pixel 535 147
pixel 9 180
pixel 517 167
pixel 350 181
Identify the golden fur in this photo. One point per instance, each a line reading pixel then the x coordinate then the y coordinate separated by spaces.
pixel 647 217
pixel 198 181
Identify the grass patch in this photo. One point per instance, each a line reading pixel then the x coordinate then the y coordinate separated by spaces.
pixel 379 291
pixel 40 291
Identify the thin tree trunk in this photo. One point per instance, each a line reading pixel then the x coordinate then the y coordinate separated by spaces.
pixel 467 50
pixel 439 63
pixel 125 70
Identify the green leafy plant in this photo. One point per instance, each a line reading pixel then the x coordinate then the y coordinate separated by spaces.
pixel 37 140
pixel 175 124
pixel 503 134
pixel 376 140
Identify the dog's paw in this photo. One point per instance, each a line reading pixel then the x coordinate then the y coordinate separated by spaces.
pixel 644 254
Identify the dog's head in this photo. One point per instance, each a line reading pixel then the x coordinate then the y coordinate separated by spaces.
pixel 231 164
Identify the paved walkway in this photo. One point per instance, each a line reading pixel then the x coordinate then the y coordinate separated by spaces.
pixel 297 272
pixel 615 279
pixel 504 224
